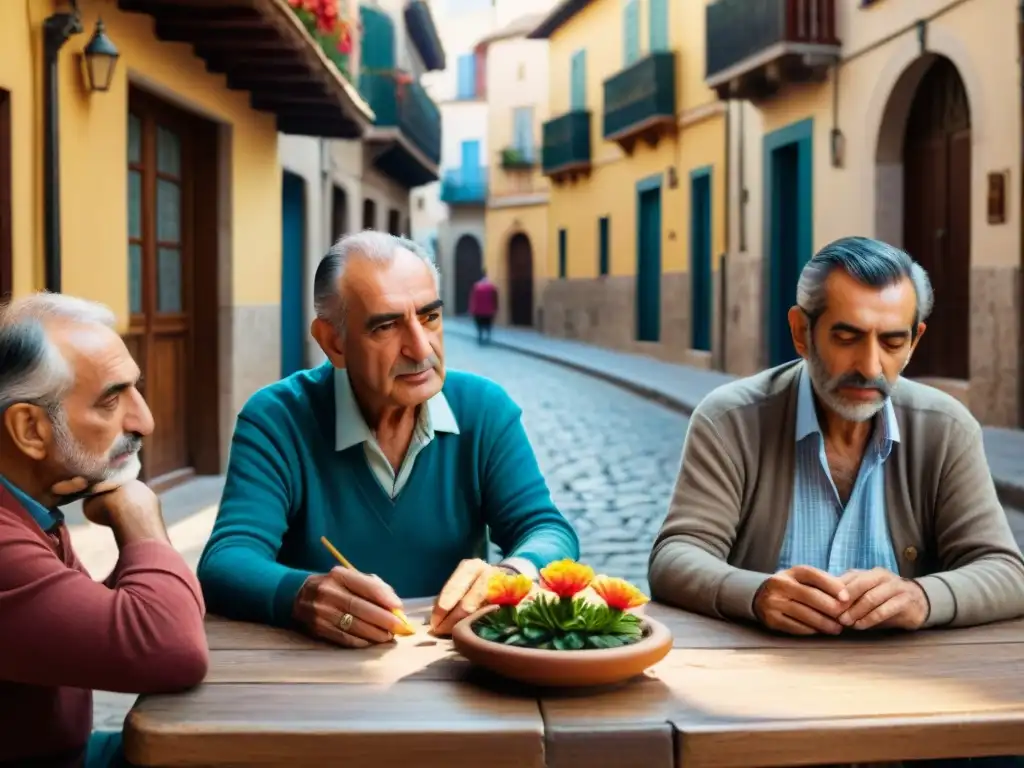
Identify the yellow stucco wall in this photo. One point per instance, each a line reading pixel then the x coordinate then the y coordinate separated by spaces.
pixel 501 225
pixel 611 188
pixel 93 136
pixel 879 43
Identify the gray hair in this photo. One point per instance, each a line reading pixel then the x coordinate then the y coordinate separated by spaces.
pixel 869 262
pixel 32 369
pixel 377 247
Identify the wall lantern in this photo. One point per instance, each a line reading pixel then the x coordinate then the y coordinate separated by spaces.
pixel 100 58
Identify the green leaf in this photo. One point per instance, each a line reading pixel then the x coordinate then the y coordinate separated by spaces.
pixel 604 641
pixel 536 634
pixel 516 639
pixel 489 633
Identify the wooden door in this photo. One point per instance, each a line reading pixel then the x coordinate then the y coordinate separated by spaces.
pixel 293 274
pixel 937 216
pixel 339 213
pixel 6 247
pixel 520 280
pixel 648 273
pixel 700 260
pixel 161 208
pixel 468 269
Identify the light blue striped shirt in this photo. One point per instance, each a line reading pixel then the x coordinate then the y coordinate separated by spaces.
pixel 821 533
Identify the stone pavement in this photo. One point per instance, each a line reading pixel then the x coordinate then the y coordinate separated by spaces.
pixel 681 387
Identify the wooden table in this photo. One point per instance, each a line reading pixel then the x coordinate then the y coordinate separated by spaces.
pixel 726 697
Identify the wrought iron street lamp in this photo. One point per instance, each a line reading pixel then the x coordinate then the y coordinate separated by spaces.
pixel 100 56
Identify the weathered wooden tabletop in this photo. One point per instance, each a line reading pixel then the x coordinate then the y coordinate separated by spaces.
pixel 726 696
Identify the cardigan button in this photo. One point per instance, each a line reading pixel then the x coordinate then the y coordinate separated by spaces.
pixel 910 553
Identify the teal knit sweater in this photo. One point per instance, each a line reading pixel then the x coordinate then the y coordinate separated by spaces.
pixel 287 486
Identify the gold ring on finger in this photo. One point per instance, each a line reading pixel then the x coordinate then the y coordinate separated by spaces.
pixel 345 622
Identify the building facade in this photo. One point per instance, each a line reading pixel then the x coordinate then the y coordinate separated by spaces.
pixel 332 187
pixel 157 191
pixel 891 120
pixel 635 149
pixel 518 195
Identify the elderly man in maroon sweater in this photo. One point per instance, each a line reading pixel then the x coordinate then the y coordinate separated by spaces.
pixel 71 422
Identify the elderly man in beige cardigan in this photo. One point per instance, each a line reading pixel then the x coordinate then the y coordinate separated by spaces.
pixel 830 494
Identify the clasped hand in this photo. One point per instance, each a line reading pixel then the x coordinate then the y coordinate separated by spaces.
pixel 805 601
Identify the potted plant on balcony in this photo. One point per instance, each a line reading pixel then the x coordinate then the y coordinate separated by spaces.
pixel 573 629
pixel 331 31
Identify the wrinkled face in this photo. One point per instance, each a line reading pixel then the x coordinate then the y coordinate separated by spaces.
pixel 860 345
pixel 393 346
pixel 98 430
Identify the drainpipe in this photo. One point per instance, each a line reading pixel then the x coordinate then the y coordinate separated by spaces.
pixel 57 29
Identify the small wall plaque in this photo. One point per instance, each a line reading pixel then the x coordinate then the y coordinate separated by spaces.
pixel 997 197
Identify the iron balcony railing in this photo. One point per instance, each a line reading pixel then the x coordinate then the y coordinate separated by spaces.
pixel 644 90
pixel 736 30
pixel 566 142
pixel 405 105
pixel 464 186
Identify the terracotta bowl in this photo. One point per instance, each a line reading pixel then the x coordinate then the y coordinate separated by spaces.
pixel 568 669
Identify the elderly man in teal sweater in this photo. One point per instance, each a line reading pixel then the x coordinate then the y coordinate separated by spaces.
pixel 401 465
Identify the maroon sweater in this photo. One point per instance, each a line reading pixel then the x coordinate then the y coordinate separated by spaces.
pixel 62 635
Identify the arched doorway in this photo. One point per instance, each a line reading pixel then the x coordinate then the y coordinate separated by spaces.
pixel 468 269
pixel 520 280
pixel 936 207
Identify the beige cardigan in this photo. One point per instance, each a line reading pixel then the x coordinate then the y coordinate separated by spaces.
pixel 730 508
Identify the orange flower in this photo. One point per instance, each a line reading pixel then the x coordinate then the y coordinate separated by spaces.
pixel 508 588
pixel 618 593
pixel 566 577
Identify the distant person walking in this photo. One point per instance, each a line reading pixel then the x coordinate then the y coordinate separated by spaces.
pixel 483 306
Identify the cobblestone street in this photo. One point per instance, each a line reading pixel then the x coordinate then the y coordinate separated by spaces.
pixel 610 457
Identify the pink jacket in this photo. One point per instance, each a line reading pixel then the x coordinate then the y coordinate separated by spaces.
pixel 483 300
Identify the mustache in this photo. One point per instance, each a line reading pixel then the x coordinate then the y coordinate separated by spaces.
pixel 409 367
pixel 855 380
pixel 126 445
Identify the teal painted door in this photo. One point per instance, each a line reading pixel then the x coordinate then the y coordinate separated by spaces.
pixel 293 228
pixel 648 271
pixel 701 293
pixel 578 82
pixel 789 239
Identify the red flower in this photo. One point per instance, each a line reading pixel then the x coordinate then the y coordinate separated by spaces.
pixel 618 593
pixel 508 588
pixel 566 577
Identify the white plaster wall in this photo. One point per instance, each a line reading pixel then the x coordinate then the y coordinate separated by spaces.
pixel 517 76
pixel 463 121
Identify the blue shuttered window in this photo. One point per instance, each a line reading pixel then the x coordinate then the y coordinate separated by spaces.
pixel 578 84
pixel 467 76
pixel 657 25
pixel 630 32
pixel 522 131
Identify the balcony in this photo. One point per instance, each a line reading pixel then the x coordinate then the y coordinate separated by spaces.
pixel 518 158
pixel 754 47
pixel 566 150
pixel 640 101
pixel 270 51
pixel 405 141
pixel 464 186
